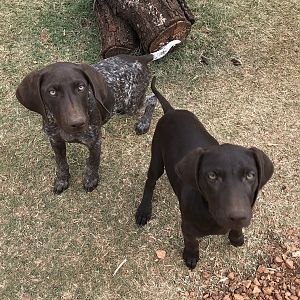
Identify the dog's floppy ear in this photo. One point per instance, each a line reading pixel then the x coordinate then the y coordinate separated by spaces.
pixel 100 89
pixel 265 168
pixel 28 93
pixel 187 168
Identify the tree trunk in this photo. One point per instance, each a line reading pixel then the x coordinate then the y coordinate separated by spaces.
pixel 155 21
pixel 117 35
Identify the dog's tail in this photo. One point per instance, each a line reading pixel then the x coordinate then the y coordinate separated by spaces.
pixel 164 50
pixel 166 106
pixel 160 53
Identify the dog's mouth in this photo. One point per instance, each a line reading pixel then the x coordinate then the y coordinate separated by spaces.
pixel 228 223
pixel 75 130
pixel 240 224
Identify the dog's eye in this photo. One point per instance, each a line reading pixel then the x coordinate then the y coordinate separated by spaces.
pixel 250 175
pixel 212 176
pixel 81 88
pixel 52 92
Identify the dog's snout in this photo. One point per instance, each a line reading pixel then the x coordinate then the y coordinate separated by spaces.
pixel 77 122
pixel 238 216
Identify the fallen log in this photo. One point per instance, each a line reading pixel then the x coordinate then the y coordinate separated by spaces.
pixel 117 36
pixel 124 24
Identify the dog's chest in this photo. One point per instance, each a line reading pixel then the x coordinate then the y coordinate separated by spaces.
pixel 128 80
pixel 195 213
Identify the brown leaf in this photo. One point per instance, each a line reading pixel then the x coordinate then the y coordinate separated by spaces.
pixel 289 263
pixel 230 276
pixel 205 275
pixel 238 297
pixel 44 36
pixel 204 60
pixel 66 296
pixel 247 283
pixel 256 282
pixel 25 297
pixel 268 290
pixel 193 295
pixel 151 238
pixel 262 269
pixel 226 297
pixel 236 61
pixel 284 257
pixel 278 259
pixel 161 254
pixel 256 290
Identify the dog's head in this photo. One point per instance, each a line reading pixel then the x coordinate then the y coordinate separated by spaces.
pixel 229 178
pixel 63 88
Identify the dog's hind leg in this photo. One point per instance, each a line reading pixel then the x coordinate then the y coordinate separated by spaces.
pixel 142 126
pixel 156 169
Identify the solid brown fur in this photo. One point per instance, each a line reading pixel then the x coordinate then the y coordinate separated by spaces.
pixel 216 185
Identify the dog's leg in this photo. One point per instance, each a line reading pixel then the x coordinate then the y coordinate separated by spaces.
pixel 91 177
pixel 142 126
pixel 236 237
pixel 156 169
pixel 61 181
pixel 191 248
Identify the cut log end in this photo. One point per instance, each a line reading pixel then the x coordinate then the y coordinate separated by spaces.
pixel 116 50
pixel 177 31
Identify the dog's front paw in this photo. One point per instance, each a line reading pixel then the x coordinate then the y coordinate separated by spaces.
pixel 90 183
pixel 60 185
pixel 142 127
pixel 143 215
pixel 236 238
pixel 190 259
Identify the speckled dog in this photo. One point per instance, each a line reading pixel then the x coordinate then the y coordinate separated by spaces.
pixel 75 100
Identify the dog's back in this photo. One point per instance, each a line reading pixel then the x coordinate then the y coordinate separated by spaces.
pixel 180 130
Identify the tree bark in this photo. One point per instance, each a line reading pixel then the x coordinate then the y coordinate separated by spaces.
pixel 155 21
pixel 117 35
pixel 188 13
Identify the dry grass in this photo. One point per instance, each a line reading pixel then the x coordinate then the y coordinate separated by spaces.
pixel 68 247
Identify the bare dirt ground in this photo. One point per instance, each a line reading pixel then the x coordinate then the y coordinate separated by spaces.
pixel 69 246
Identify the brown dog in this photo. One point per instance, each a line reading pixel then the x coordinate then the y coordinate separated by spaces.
pixel 216 185
pixel 75 100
